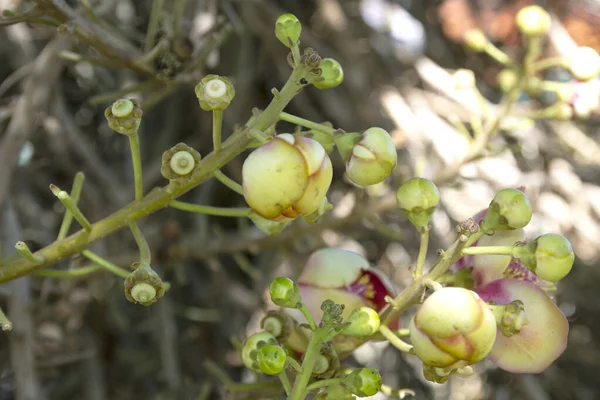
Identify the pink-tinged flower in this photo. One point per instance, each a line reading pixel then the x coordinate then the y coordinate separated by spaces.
pixel 346 278
pixel 586 98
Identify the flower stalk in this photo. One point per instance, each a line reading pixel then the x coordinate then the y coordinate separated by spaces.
pixel 71 206
pixel 75 194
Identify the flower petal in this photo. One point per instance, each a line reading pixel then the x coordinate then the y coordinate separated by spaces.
pixel 541 341
pixel 333 268
pixel 487 268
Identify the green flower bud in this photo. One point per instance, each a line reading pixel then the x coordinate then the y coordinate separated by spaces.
pixel 507 79
pixel 510 318
pixel 179 161
pixel 373 158
pixel 533 21
pixel 584 63
pixel 214 92
pixel 417 198
pixel 271 359
pixel 251 347
pixel 285 292
pixel 279 324
pixel 453 328
pixel 363 382
pixel 550 256
pixel 287 177
pixel 364 322
pixel 328 362
pixel 143 286
pixel 331 76
pixel 510 209
pixel 335 392
pixel 475 40
pixel 124 116
pixel 288 29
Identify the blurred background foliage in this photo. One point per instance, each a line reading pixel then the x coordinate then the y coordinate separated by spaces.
pixel 63 62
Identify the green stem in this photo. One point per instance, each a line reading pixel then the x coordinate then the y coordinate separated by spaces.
pixel 5 323
pixel 73 273
pixel 155 14
pixel 217 124
pixel 475 237
pixel 134 142
pixel 105 264
pixel 178 10
pixel 550 62
pixel 145 254
pixel 285 381
pixel 498 55
pixel 306 123
pixel 160 197
pixel 218 211
pixel 75 194
pixel 323 383
pixel 24 251
pixel 296 55
pixel 295 365
pixel 395 340
pixel 493 250
pixel 422 251
pixel 71 206
pixel 309 318
pixel 230 183
pixel 308 364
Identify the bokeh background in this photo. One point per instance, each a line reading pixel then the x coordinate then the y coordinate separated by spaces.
pixel 81 339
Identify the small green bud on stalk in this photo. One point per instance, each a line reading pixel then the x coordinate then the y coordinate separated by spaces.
pixel 373 158
pixel 550 256
pixel 510 209
pixel 144 286
pixel 179 161
pixel 363 382
pixel 251 348
pixel 584 64
pixel 331 76
pixel 363 321
pixel 271 359
pixel 279 324
pixel 214 92
pixel 328 362
pixel 453 328
pixel 533 21
pixel 475 40
pixel 417 198
pixel 124 116
pixel 285 292
pixel 510 318
pixel 507 79
pixel 288 30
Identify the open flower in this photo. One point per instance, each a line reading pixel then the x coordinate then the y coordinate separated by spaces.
pixel 346 278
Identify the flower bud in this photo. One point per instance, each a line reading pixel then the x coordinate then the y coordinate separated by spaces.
pixel 364 322
pixel 285 292
pixel 278 324
pixel 251 347
pixel 327 363
pixel 373 158
pixel 475 40
pixel 550 256
pixel 271 359
pixel 287 177
pixel 179 161
pixel 463 79
pixel 214 92
pixel 533 21
pixel 417 198
pixel 510 209
pixel 144 286
pixel 584 63
pixel 124 116
pixel 453 328
pixel 507 79
pixel 288 29
pixel 331 76
pixel 363 382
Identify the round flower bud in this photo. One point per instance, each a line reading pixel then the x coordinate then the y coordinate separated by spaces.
pixel 453 328
pixel 143 286
pixel 328 362
pixel 364 322
pixel 288 29
pixel 510 209
pixel 124 116
pixel 363 382
pixel 584 63
pixel 331 76
pixel 271 359
pixel 463 79
pixel 373 158
pixel 533 21
pixel 475 40
pixel 550 256
pixel 507 79
pixel 279 324
pixel 287 177
pixel 251 347
pixel 214 92
pixel 285 292
pixel 417 198
pixel 179 161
